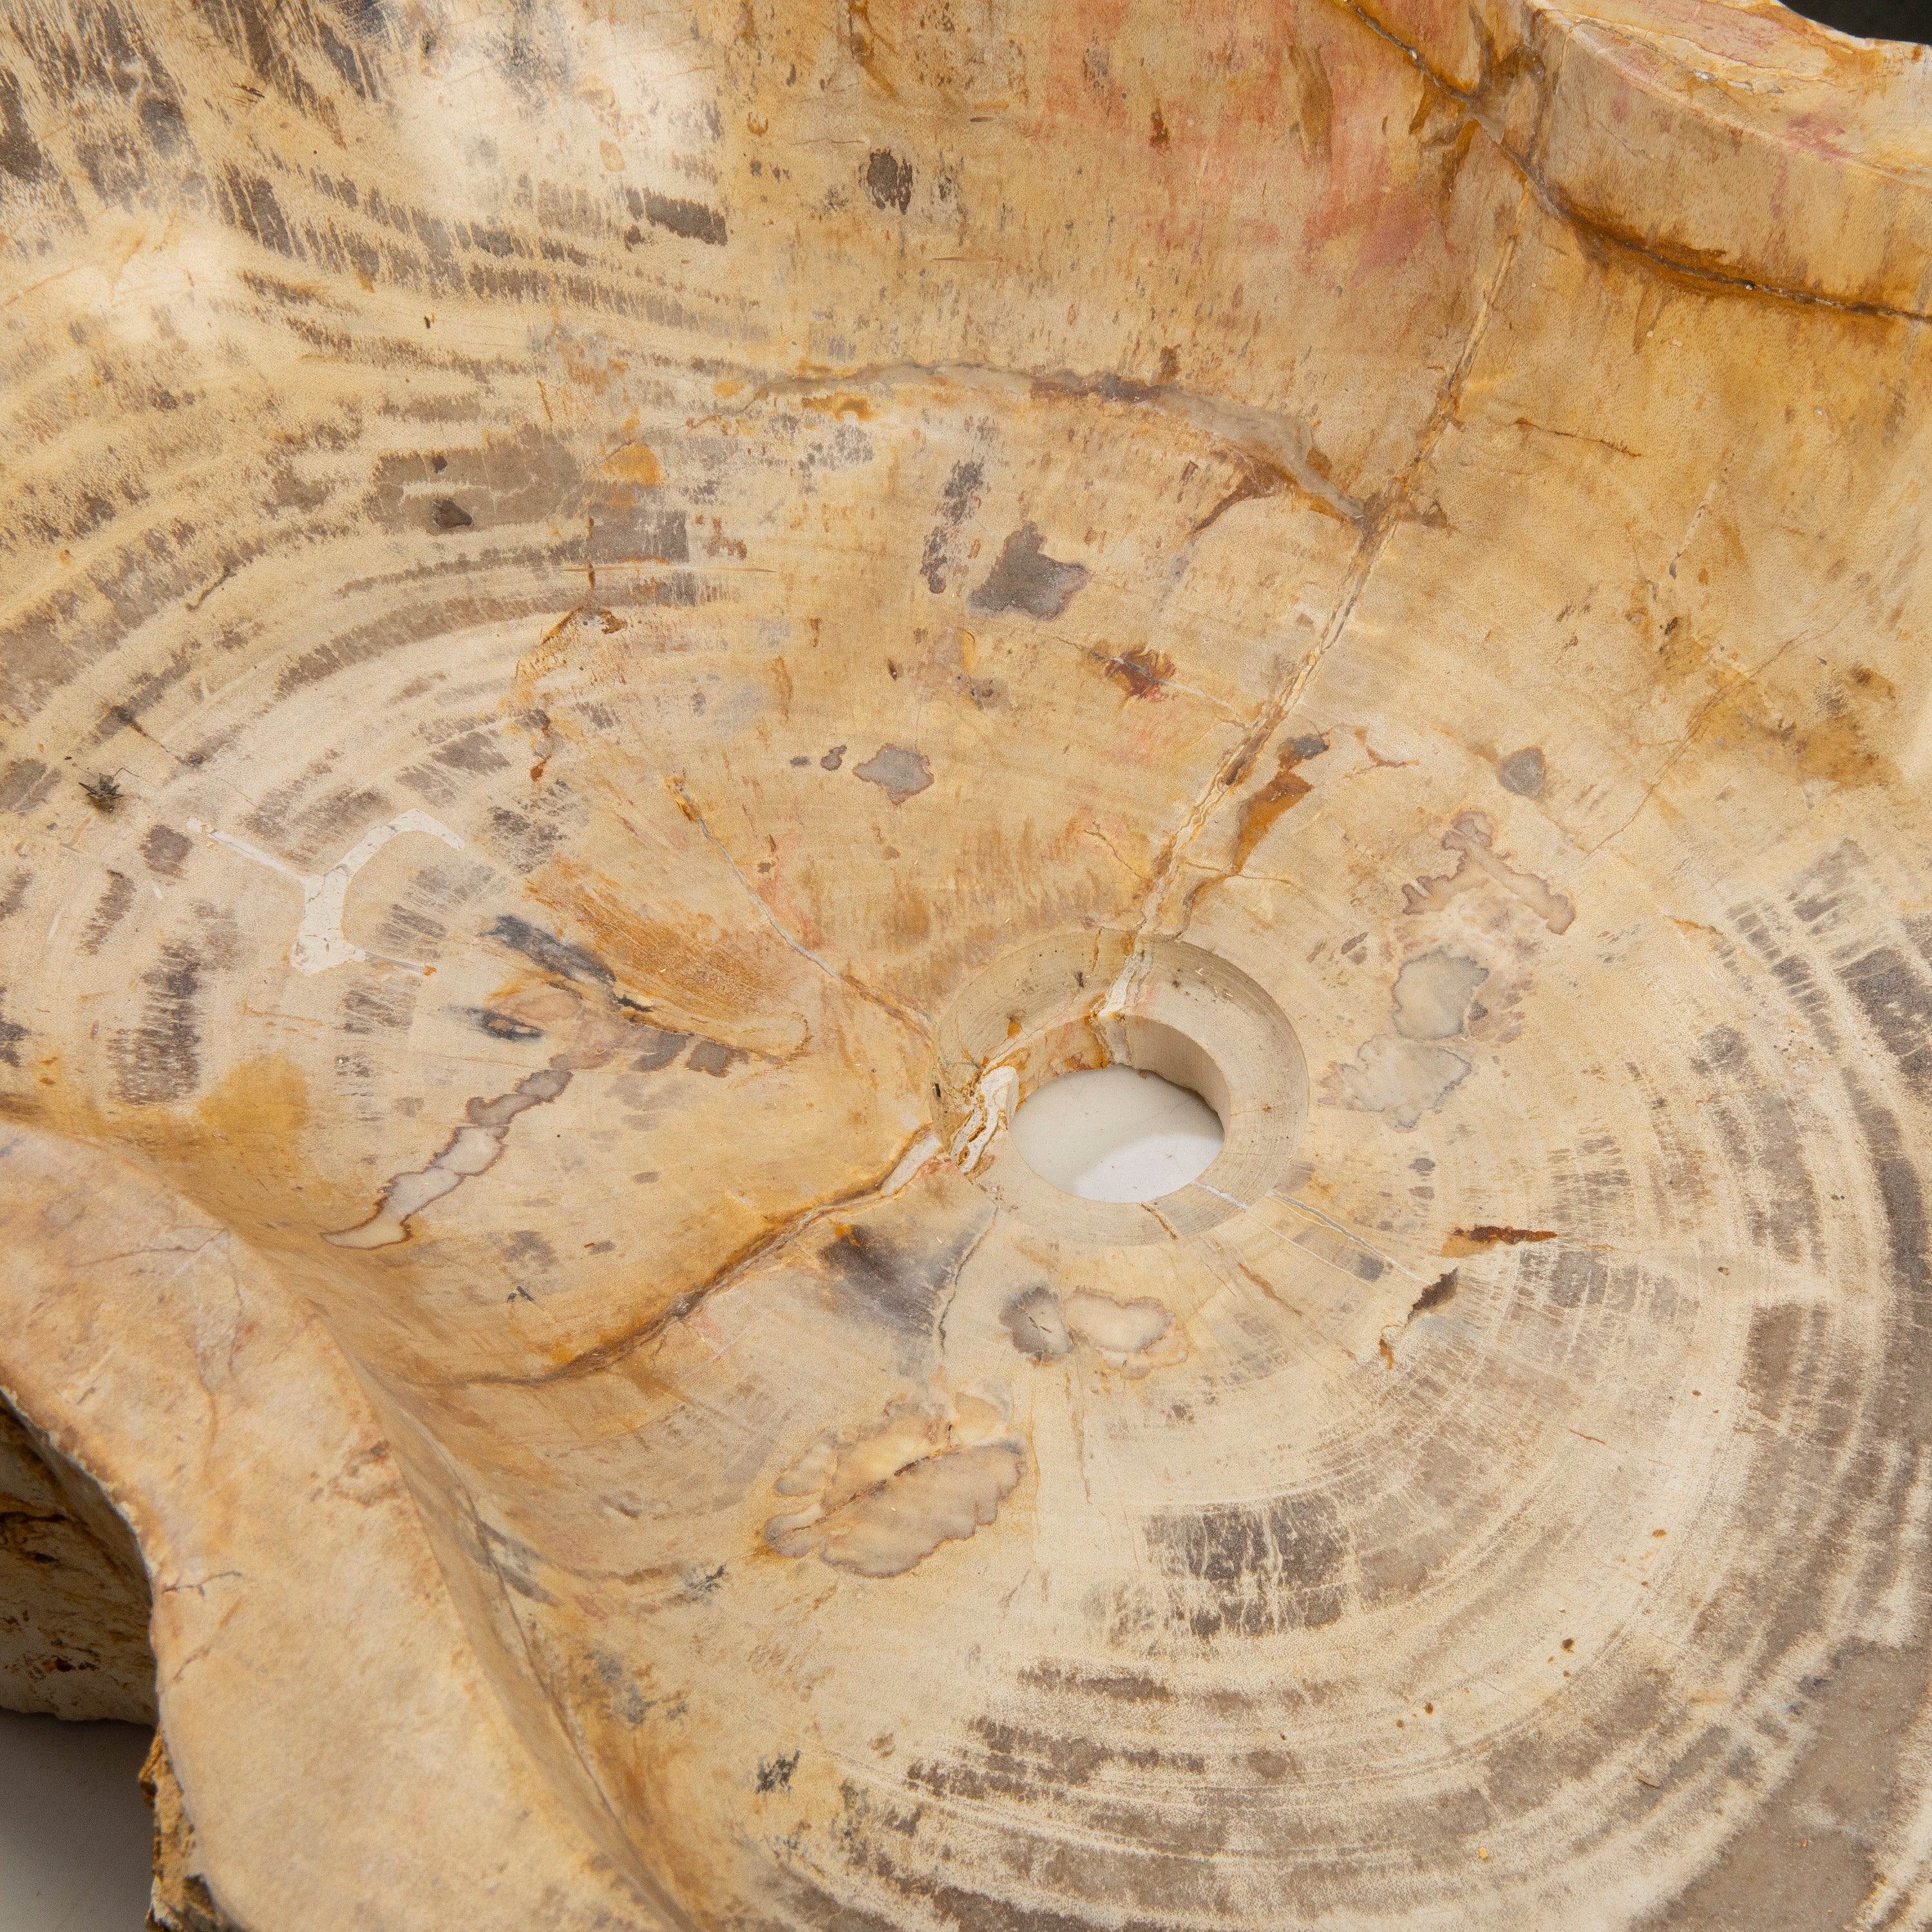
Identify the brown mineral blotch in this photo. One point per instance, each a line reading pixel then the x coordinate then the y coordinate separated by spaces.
pixel 622 632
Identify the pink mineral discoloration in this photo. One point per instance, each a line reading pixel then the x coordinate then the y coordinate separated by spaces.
pixel 859 559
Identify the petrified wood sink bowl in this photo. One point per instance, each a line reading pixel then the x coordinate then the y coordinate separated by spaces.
pixel 622 626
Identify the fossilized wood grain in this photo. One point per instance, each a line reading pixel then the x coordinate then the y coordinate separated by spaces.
pixel 621 625
pixel 327 1730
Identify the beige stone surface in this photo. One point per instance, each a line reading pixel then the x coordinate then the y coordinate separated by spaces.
pixel 181 1901
pixel 623 625
pixel 334 1755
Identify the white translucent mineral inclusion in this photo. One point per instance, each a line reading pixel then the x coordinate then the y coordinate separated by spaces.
pixel 319 941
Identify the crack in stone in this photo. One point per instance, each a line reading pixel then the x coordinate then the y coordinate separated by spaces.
pixel 1382 517
pixel 923 1147
pixel 1556 203
pixel 474 1148
pixel 907 1016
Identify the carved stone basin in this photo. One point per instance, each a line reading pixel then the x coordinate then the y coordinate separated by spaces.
pixel 623 625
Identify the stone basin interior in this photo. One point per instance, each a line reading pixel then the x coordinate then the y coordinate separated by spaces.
pixel 624 625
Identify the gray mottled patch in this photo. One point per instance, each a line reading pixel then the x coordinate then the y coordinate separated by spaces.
pixel 563 957
pixel 1036 1322
pixel 24 785
pixel 660 1048
pixel 1251 1570
pixel 1523 772
pixel 11 1034
pixel 714 1058
pixel 159 1060
pixel 525 1248
pixel 501 1025
pixel 889 180
pixel 645 532
pixel 1433 992
pixel 1025 578
pixel 109 913
pixel 899 772
pixel 690 221
pixel 960 495
pixel 166 851
pixel 902 1281
pixel 472 752
pixel 1896 998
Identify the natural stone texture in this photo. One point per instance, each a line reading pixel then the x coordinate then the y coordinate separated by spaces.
pixel 74 1597
pixel 333 1741
pixel 181 1901
pixel 623 625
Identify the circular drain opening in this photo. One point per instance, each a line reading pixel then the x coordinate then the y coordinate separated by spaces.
pixel 1116 1133
pixel 1116 1005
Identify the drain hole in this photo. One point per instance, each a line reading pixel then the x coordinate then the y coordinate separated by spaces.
pixel 1116 1133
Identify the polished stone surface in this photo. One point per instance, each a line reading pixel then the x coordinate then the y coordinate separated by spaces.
pixel 624 626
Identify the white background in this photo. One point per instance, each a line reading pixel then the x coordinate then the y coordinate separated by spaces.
pixel 76 1837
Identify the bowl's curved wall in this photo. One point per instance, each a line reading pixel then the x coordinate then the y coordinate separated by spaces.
pixel 621 625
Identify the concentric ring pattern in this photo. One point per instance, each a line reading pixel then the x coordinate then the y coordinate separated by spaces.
pixel 622 624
